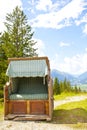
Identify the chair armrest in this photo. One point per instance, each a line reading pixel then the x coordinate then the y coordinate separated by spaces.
pixel 6 90
pixel 50 83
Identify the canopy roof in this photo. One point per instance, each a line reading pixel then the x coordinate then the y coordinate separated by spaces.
pixel 27 67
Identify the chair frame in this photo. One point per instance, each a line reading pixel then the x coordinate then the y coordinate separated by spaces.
pixel 29 109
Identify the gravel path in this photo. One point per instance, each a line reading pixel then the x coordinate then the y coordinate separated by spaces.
pixel 39 125
pixel 30 125
pixel 69 99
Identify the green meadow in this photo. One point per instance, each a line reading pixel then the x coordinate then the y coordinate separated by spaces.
pixel 1 111
pixel 73 114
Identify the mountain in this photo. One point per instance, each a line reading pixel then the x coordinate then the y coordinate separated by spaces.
pixel 80 79
pixel 61 75
pixel 83 78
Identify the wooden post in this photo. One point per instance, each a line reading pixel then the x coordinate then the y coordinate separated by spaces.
pixel 28 107
pixel 50 90
pixel 6 101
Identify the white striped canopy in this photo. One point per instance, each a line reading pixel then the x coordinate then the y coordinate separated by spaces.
pixel 27 68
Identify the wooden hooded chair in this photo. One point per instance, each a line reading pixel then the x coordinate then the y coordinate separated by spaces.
pixel 29 94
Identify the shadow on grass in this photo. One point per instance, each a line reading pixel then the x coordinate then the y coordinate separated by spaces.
pixel 73 116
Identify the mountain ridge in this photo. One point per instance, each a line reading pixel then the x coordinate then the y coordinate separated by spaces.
pixel 79 79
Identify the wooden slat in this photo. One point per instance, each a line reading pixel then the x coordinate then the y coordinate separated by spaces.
pixel 28 107
pixel 18 117
pixel 37 107
pixel 47 108
pixel 19 107
pixel 10 107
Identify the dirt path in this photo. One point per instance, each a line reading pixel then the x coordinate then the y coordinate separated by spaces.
pixel 30 125
pixel 35 125
pixel 69 99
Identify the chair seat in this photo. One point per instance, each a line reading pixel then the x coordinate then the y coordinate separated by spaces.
pixel 28 96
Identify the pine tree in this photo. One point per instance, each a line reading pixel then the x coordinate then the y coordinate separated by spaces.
pixel 18 38
pixel 76 89
pixel 62 86
pixel 79 89
pixel 65 84
pixel 69 86
pixel 56 86
pixel 3 66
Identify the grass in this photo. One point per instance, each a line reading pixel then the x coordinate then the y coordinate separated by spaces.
pixel 79 126
pixel 80 104
pixel 73 114
pixel 67 94
pixel 1 111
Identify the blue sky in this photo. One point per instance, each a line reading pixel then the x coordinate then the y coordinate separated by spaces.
pixel 60 28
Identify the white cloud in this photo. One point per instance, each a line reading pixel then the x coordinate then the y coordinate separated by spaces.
pixel 6 6
pixel 63 44
pixel 44 5
pixel 54 63
pixel 40 47
pixel 61 18
pixel 85 29
pixel 81 20
pixel 74 65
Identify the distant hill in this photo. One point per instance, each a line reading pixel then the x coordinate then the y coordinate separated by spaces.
pixel 80 79
pixel 83 78
pixel 61 75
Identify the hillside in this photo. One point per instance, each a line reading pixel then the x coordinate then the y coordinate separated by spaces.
pixel 61 75
pixel 80 79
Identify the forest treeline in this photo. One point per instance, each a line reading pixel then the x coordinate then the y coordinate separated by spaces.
pixel 64 86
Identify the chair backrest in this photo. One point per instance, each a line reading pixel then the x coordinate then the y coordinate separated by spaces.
pixel 14 83
pixel 30 85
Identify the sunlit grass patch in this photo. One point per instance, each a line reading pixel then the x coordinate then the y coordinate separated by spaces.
pixel 79 126
pixel 71 113
pixel 67 94
pixel 1 111
pixel 72 105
